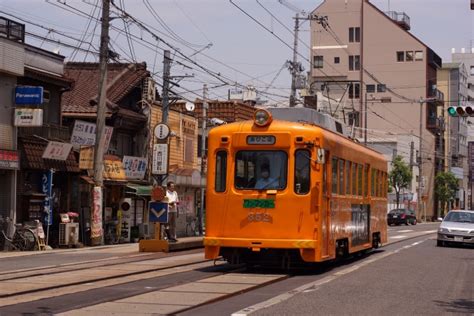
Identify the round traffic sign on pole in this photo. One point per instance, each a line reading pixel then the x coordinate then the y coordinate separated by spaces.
pixel 162 131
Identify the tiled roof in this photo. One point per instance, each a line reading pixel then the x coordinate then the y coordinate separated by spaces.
pixel 31 158
pixel 229 111
pixel 121 79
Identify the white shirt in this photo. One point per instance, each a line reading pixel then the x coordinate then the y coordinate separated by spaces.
pixel 172 198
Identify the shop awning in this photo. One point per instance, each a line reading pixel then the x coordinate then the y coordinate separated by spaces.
pixel 186 177
pixel 137 189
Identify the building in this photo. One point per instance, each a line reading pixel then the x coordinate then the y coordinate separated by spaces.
pixel 32 82
pixel 126 189
pixel 380 77
pixel 467 58
pixel 452 81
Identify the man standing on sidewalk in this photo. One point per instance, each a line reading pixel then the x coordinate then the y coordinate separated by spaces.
pixel 173 201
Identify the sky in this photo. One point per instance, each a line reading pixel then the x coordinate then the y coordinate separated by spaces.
pixel 214 42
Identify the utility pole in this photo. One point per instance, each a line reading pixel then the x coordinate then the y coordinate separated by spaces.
pixel 420 164
pixel 97 230
pixel 166 86
pixel 205 107
pixel 294 66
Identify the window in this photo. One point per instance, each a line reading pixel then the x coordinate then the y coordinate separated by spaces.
pixel 302 171
pixel 359 178
pixel 400 56
pixel 354 62
pixel 381 88
pixel 354 91
pixel 348 177
pixel 354 179
pixel 370 88
pixel 472 71
pixel 366 180
pixel 189 150
pixel 261 169
pixel 341 177
pixel 221 171
pixel 409 55
pixel 418 55
pixel 336 60
pixel 318 61
pixel 353 118
pixel 354 34
pixel 372 183
pixel 334 175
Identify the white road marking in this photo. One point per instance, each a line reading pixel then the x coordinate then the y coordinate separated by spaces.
pixel 405 231
pixel 398 237
pixel 314 286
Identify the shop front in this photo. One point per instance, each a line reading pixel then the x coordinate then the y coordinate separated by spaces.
pixel 9 164
pixel 125 201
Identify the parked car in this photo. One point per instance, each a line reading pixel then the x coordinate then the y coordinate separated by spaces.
pixel 401 216
pixel 457 228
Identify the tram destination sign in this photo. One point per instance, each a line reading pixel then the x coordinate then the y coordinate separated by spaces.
pixel 259 203
pixel 261 140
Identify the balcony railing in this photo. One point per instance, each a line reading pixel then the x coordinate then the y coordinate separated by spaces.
pixel 12 30
pixel 401 18
pixel 50 132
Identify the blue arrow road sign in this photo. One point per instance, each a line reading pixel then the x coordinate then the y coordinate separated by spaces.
pixel 158 212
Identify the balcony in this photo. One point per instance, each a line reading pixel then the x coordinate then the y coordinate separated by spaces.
pixel 12 30
pixel 50 132
pixel 400 18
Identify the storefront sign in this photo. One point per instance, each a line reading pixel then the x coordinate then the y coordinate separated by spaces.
pixel 160 159
pixel 57 151
pixel 83 134
pixel 188 127
pixel 96 228
pixel 86 157
pixel 47 189
pixel 28 95
pixel 113 169
pixel 135 167
pixel 9 159
pixel 28 117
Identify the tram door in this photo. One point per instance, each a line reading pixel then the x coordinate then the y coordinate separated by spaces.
pixel 326 208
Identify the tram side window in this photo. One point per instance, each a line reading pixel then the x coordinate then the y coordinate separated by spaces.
pixel 302 171
pixel 341 177
pixel 221 171
pixel 372 182
pixel 376 183
pixel 366 180
pixel 348 177
pixel 354 178
pixel 359 183
pixel 381 184
pixel 334 175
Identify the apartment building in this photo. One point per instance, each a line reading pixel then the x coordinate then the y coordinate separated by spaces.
pixel 452 81
pixel 379 78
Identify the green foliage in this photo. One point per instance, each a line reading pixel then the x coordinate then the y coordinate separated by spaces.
pixel 446 186
pixel 400 176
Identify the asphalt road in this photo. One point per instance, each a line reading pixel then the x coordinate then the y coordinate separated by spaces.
pixel 409 277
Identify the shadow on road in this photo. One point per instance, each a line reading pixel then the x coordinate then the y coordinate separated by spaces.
pixel 457 306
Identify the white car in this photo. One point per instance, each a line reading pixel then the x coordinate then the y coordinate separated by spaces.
pixel 457 228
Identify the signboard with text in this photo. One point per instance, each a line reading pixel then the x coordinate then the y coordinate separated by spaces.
pixel 9 159
pixel 83 134
pixel 28 117
pixel 160 159
pixel 86 157
pixel 57 151
pixel 28 95
pixel 135 167
pixel 113 169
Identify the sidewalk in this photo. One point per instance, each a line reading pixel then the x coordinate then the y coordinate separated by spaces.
pixel 183 243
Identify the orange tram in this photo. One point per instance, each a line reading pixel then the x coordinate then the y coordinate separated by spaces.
pixel 292 190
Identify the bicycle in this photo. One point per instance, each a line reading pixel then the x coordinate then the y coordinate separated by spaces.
pixel 23 239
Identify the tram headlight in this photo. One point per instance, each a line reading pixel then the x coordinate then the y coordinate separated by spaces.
pixel 262 117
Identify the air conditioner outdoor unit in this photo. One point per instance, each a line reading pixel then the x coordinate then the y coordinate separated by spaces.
pixel 68 234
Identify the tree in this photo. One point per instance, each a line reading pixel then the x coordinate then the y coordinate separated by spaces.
pixel 446 186
pixel 400 176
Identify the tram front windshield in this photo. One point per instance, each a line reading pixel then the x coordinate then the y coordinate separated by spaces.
pixel 261 170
